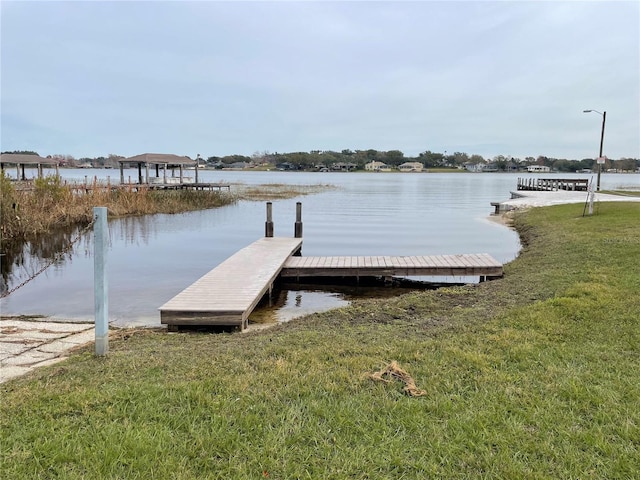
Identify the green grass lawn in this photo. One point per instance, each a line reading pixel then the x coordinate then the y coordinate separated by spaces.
pixel 533 376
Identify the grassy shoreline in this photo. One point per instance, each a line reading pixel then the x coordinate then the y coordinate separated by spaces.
pixel 536 375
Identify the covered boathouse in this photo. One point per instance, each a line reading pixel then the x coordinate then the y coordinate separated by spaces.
pixel 150 166
pixel 23 160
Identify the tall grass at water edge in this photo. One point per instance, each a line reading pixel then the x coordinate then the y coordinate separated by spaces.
pixel 533 376
pixel 48 204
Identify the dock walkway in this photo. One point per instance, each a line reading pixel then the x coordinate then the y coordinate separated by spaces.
pixel 228 294
pixel 482 264
pixel 80 187
pixel 553 184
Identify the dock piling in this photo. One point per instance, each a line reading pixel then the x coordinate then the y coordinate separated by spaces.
pixel 268 226
pixel 297 230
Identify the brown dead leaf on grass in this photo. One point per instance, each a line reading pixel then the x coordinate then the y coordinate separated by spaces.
pixel 394 372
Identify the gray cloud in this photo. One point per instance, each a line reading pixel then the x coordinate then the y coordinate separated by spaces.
pixel 89 79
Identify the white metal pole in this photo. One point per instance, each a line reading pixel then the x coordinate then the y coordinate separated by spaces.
pixel 101 290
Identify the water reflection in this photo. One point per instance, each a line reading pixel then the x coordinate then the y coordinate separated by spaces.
pixel 290 304
pixel 23 260
pixel 134 230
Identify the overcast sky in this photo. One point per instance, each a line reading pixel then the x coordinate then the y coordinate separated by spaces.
pixel 218 78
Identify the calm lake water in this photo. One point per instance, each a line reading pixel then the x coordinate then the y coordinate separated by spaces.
pixel 152 258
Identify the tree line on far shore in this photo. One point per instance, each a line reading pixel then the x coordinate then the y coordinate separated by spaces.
pixel 317 159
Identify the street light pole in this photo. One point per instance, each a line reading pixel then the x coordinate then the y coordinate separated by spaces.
pixel 604 119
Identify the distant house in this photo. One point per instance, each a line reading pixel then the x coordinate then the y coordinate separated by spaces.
pixel 474 167
pixel 344 167
pixel 538 169
pixel 411 167
pixel 511 167
pixel 377 167
pixel 285 166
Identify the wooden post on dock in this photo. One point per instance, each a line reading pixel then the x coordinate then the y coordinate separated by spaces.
pixel 297 229
pixel 268 226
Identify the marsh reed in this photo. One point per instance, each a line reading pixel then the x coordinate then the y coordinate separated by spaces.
pixel 48 203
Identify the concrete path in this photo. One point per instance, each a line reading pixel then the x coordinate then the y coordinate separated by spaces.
pixel 26 344
pixel 542 199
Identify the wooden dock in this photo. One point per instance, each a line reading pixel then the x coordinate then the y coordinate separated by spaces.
pixel 84 188
pixel 482 265
pixel 228 294
pixel 553 184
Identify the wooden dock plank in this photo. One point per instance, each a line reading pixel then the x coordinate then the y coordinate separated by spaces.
pixel 483 259
pixel 228 293
pixel 440 261
pixel 432 265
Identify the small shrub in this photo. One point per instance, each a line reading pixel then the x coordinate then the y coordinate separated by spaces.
pixel 49 187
